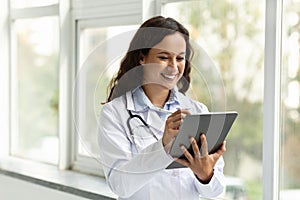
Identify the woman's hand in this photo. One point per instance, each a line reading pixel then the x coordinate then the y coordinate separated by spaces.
pixel 172 126
pixel 202 164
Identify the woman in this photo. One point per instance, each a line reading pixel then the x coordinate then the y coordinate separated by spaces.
pixel 145 108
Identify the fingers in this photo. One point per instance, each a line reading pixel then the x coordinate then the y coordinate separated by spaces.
pixel 195 148
pixel 187 154
pixel 172 125
pixel 197 154
pixel 223 147
pixel 202 164
pixel 178 115
pixel 204 146
pixel 220 151
pixel 175 124
pixel 183 162
pixel 176 119
pixel 182 111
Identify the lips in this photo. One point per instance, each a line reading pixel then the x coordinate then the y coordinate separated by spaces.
pixel 169 76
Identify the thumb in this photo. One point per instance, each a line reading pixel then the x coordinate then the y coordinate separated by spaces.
pixel 220 151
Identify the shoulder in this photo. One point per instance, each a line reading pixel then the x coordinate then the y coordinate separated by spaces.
pixel 195 106
pixel 114 107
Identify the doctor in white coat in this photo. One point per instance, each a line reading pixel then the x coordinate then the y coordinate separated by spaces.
pixel 144 110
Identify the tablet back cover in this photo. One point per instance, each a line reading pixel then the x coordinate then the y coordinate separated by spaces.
pixel 214 125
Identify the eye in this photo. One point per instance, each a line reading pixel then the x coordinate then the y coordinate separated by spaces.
pixel 163 57
pixel 180 58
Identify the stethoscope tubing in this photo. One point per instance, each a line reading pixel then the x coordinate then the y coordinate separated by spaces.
pixel 131 116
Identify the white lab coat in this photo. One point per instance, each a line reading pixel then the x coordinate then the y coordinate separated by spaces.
pixel 139 173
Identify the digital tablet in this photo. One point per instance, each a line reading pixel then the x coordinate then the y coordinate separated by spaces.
pixel 214 125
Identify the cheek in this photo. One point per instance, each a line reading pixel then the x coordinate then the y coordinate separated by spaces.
pixel 152 71
pixel 181 68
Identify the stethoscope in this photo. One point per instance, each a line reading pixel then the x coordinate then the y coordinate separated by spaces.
pixel 132 116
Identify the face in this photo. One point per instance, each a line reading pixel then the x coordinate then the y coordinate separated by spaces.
pixel 165 63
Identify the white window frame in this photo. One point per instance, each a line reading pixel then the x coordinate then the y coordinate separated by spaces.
pixel 16 14
pixel 271 105
pixel 95 14
pixel 4 78
pixel 88 10
pixel 60 10
pixel 66 77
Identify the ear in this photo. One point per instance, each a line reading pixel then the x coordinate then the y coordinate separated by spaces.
pixel 142 59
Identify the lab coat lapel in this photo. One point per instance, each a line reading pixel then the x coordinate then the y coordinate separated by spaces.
pixel 154 121
pixel 151 117
pixel 129 101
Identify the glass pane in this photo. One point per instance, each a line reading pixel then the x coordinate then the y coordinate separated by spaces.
pixel 98 61
pixel 232 35
pixel 290 87
pixel 36 93
pixel 31 3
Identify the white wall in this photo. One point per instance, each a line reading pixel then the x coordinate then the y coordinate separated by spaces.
pixel 15 189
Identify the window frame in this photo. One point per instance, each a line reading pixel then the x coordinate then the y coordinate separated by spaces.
pixel 272 101
pixel 5 78
pixel 70 12
pixel 80 162
pixel 90 15
pixel 14 15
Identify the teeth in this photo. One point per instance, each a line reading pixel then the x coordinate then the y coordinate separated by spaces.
pixel 169 76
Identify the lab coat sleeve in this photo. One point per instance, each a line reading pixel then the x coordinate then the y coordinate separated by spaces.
pixel 216 186
pixel 126 172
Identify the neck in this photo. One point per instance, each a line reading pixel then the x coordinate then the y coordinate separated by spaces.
pixel 158 95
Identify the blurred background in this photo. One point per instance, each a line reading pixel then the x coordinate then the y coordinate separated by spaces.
pixel 229 34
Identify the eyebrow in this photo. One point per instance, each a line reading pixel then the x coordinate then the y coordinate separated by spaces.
pixel 168 53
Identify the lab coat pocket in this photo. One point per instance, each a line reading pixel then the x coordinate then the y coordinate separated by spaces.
pixel 165 186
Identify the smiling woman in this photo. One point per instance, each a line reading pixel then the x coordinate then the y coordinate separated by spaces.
pixel 43 41
pixel 163 67
pixel 156 70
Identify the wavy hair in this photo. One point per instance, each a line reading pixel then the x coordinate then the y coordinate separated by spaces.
pixel 150 33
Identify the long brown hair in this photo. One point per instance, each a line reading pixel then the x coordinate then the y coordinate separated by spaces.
pixel 150 33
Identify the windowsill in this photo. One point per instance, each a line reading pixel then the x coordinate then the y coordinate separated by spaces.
pixel 87 186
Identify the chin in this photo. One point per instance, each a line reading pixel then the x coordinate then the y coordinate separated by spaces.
pixel 168 86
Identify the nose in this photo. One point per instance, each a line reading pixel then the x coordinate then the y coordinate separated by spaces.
pixel 172 63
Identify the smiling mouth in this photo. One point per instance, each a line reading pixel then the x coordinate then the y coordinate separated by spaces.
pixel 169 76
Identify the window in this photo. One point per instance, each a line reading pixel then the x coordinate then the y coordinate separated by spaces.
pixel 231 33
pixel 50 53
pixel 98 61
pixel 56 61
pixel 290 108
pixel 34 80
pixel 98 26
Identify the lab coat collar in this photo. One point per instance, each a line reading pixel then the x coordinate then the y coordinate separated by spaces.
pixel 129 101
pixel 184 102
pixel 142 103
pixel 150 117
pixel 140 100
